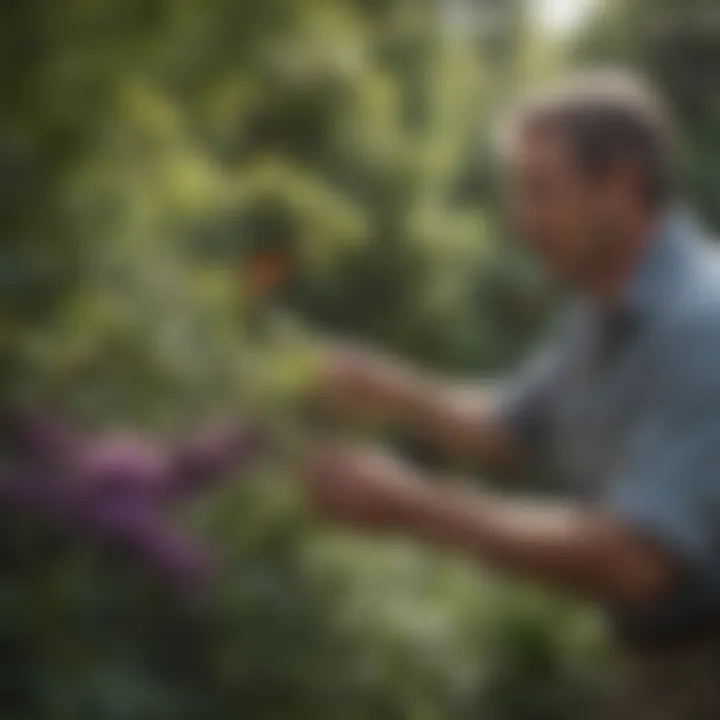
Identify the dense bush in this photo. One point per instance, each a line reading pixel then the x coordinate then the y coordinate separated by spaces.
pixel 147 150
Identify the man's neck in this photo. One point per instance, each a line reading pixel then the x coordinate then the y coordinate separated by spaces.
pixel 616 269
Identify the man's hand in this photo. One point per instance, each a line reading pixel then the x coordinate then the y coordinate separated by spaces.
pixel 568 548
pixel 360 383
pixel 360 488
pixel 461 420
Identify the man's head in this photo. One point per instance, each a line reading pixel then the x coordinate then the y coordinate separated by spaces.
pixel 590 162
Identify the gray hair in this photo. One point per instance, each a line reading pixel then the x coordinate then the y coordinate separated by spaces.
pixel 606 116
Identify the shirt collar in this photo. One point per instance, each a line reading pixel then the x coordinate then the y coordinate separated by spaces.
pixel 661 259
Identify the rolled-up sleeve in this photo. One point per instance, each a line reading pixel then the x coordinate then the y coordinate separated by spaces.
pixel 526 400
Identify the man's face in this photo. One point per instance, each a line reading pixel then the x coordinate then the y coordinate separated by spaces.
pixel 566 218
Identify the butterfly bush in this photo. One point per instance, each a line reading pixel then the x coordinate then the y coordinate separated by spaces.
pixel 116 491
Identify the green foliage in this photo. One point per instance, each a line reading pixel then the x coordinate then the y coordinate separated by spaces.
pixel 146 149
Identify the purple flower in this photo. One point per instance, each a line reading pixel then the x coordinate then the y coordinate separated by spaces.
pixel 115 490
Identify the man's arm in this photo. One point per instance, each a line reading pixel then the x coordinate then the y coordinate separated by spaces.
pixel 460 420
pixel 567 548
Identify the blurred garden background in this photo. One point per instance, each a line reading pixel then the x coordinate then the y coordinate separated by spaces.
pixel 159 159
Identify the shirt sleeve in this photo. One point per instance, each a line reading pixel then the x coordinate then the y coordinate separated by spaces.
pixel 669 485
pixel 527 399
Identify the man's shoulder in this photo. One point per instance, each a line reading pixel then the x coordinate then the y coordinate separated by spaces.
pixel 692 288
pixel 690 320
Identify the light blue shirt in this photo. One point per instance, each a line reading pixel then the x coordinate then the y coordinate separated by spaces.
pixel 629 409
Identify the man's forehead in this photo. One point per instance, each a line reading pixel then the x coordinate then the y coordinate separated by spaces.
pixel 540 149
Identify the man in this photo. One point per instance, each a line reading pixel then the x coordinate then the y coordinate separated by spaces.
pixel 626 399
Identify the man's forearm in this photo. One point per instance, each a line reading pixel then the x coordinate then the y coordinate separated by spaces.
pixel 457 419
pixel 461 420
pixel 565 548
